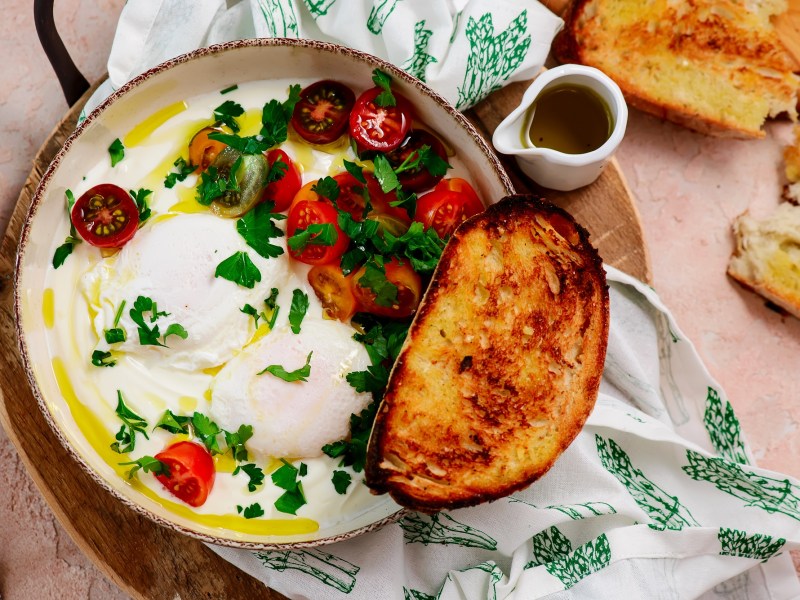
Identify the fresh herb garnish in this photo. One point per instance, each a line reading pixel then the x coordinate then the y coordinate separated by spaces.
pixel 116 334
pixel 275 117
pixel 148 464
pixel 214 183
pixel 102 359
pixel 131 425
pixel 253 144
pixel 407 200
pixel 250 512
pixel 341 481
pixel 229 89
pixel 140 197
pixel 253 312
pixel 236 440
pixel 272 306
pixel 316 234
pixel 300 374
pixel 286 479
pixel 385 174
pixel 355 170
pixel 117 152
pixel 174 423
pixel 226 114
pixel 298 309
pixel 254 472
pixel 184 170
pixel 383 81
pixel 151 336
pixel 327 188
pixel 206 431
pixel 65 249
pixel 374 278
pixel 239 269
pixel 258 228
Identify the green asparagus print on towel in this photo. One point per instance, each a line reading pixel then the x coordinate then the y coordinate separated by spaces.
pixel 585 510
pixel 583 561
pixel 443 529
pixel 279 18
pixel 318 8
pixel 329 569
pixel 419 61
pixel 548 545
pixel 759 546
pixel 409 594
pixel 380 12
pixel 766 493
pixel 665 510
pixel 492 58
pixel 723 428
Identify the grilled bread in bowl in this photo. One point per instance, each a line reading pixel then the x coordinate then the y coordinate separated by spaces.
pixel 502 364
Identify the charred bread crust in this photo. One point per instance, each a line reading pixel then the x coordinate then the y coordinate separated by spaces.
pixel 424 458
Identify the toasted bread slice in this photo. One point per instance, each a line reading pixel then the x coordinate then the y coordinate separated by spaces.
pixel 501 365
pixel 715 66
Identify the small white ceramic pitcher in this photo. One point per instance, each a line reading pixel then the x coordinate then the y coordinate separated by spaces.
pixel 551 168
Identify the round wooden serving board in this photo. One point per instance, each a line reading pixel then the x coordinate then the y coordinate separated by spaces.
pixel 149 561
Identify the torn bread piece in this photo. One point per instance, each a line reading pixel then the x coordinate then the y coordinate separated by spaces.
pixel 502 364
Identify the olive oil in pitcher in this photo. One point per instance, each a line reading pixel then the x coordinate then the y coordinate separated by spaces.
pixel 569 118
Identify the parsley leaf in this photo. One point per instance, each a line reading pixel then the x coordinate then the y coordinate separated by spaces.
pixel 131 425
pixel 255 473
pixel 148 464
pixel 149 336
pixel 298 309
pixel 385 174
pixel 250 512
pixel 300 374
pixel 239 269
pixel 235 441
pixel 257 228
pixel 407 200
pixel 216 183
pixel 355 170
pixel 272 306
pixel 422 247
pixel 374 278
pixel 354 450
pixel 286 479
pixel 383 81
pixel 117 152
pixel 184 170
pixel 229 89
pixel 226 114
pixel 253 312
pixel 174 423
pixel 140 197
pixel 327 187
pixel 275 117
pixel 427 158
pixel 341 481
pixel 116 334
pixel 253 144
pixel 175 329
pixel 102 359
pixel 317 234
pixel 207 431
pixel 65 249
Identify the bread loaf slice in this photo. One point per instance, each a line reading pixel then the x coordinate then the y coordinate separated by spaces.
pixel 767 256
pixel 715 66
pixel 502 364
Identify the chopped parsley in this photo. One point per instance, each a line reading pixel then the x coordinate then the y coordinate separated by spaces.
pixel 174 423
pixel 255 473
pixel 131 425
pixel 316 234
pixel 272 306
pixel 253 312
pixel 215 183
pixel 102 359
pixel 206 431
pixel 236 440
pixel 298 309
pixel 301 374
pixel 116 151
pixel 355 170
pixel 374 278
pixel 226 114
pixel 140 197
pixel 385 174
pixel 239 269
pixel 250 512
pixel 116 334
pixel 184 170
pixel 229 89
pixel 327 188
pixel 258 228
pixel 65 249
pixel 148 464
pixel 383 81
pixel 149 334
pixel 341 481
pixel 286 478
pixel 253 144
pixel 275 117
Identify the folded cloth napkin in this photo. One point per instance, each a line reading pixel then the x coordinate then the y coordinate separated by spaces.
pixel 657 498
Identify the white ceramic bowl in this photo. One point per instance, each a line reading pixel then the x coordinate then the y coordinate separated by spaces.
pixel 195 73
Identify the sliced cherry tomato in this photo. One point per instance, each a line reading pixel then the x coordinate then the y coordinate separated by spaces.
pixel 320 116
pixel 282 191
pixel 334 290
pixel 351 195
pixel 409 291
pixel 250 178
pixel 191 471
pixel 106 216
pixel 419 178
pixel 376 127
pixel 451 202
pixel 303 214
pixel 203 150
pixel 382 202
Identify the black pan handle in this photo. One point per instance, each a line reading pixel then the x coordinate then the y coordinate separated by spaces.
pixel 73 83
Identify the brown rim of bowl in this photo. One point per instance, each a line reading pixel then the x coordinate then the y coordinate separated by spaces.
pixel 367 59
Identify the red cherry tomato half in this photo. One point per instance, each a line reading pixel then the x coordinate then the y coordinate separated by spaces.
pixel 191 471
pixel 409 291
pixel 320 116
pixel 376 127
pixel 282 191
pixel 351 195
pixel 451 202
pixel 203 150
pixel 106 216
pixel 418 179
pixel 334 291
pixel 303 214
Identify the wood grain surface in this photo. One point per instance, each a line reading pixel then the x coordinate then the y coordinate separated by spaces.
pixel 149 561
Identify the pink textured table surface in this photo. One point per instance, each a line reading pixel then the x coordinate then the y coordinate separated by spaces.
pixel 688 189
